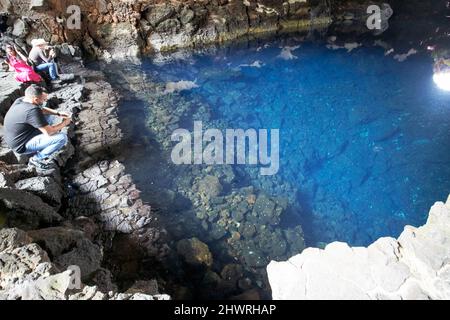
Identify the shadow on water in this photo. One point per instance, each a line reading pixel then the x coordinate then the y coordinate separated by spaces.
pixel 305 219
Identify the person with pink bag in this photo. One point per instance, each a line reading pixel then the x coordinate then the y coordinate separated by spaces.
pixel 24 72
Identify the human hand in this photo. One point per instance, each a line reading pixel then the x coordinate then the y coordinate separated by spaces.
pixel 67 121
pixel 65 115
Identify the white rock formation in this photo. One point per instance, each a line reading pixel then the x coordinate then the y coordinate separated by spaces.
pixel 414 266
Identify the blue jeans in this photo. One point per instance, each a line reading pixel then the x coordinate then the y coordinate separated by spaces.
pixel 44 145
pixel 50 67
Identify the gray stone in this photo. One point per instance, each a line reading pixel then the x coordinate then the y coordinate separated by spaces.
pixel 45 187
pixel 87 256
pixel 57 240
pixel 169 26
pixel 27 210
pixel 13 238
pixel 102 6
pixel 217 232
pixel 156 14
pixel 20 28
pixel 7 155
pixel 102 279
pixel 210 186
pixel 186 16
pixel 265 210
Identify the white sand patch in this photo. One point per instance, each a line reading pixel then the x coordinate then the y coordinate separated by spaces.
pixel 348 46
pixel 334 47
pixel 257 64
pixel 404 56
pixel 352 46
pixel 180 86
pixel 286 53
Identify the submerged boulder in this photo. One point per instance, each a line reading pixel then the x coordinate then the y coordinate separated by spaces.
pixel 195 252
pixel 210 186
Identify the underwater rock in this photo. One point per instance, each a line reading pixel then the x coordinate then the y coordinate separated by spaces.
pixel 351 46
pixel 266 211
pixel 217 232
pixel 210 186
pixel 404 56
pixel 256 64
pixel 295 240
pixel 254 258
pixel 247 230
pixel 180 86
pixel 232 273
pixel 414 266
pixel 195 252
pixel 286 53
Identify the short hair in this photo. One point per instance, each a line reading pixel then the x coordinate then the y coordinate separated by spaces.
pixel 34 91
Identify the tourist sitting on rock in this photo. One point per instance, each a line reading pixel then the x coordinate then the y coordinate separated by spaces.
pixel 27 130
pixel 17 61
pixel 43 59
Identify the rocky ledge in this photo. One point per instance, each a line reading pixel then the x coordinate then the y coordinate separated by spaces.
pixel 57 227
pixel 414 266
pixel 115 29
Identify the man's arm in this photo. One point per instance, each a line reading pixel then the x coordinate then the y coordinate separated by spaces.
pixel 51 130
pixel 46 110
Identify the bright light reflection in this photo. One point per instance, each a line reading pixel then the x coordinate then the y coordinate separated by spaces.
pixel 442 80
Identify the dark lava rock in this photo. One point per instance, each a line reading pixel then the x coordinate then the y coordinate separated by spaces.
pixel 217 232
pixel 45 187
pixel 195 252
pixel 247 230
pixel 266 211
pixel 27 211
pixel 157 14
pixel 210 186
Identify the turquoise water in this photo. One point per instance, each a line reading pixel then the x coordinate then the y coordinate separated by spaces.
pixel 364 139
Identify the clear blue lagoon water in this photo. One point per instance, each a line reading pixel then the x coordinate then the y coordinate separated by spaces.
pixel 364 139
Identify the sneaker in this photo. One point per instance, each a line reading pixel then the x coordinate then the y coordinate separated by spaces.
pixel 40 164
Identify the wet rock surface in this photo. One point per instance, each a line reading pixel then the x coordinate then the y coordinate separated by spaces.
pixel 115 29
